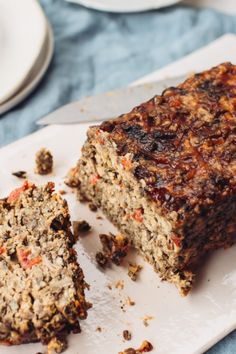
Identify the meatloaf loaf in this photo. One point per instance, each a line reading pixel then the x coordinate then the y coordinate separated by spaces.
pixel 41 283
pixel 165 173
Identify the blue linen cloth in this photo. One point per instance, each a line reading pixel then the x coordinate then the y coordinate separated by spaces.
pixel 96 51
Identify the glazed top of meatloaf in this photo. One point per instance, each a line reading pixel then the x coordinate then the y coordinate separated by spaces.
pixel 183 142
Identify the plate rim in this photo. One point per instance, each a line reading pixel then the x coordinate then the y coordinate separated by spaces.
pixel 147 5
pixel 30 86
pixel 34 57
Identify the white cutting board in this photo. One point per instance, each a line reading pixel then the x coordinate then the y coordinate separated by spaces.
pixel 187 325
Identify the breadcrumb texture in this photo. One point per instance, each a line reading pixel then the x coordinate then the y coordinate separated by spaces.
pixel 165 173
pixel 41 283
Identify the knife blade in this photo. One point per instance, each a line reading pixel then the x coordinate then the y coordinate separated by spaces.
pixel 109 104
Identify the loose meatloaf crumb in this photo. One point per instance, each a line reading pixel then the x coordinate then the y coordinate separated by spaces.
pixel 41 283
pixel 43 162
pixel 165 173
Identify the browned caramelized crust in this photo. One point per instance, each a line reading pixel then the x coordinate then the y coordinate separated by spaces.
pixel 165 173
pixel 184 141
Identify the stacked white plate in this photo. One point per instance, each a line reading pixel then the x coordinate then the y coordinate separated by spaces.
pixel 124 5
pixel 26 48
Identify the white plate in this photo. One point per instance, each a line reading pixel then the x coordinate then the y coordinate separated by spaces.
pixel 23 31
pixel 35 75
pixel 181 325
pixel 227 6
pixel 124 5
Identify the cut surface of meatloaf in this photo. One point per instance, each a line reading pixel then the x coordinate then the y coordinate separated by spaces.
pixel 165 173
pixel 41 283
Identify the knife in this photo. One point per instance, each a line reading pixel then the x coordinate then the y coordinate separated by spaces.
pixel 109 104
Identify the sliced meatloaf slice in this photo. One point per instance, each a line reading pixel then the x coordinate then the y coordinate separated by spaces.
pixel 165 173
pixel 41 283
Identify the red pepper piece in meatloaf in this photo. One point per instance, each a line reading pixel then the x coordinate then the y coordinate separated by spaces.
pixel 166 173
pixel 41 283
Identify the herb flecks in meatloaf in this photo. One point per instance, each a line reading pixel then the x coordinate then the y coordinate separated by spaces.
pixel 42 285
pixel 165 173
